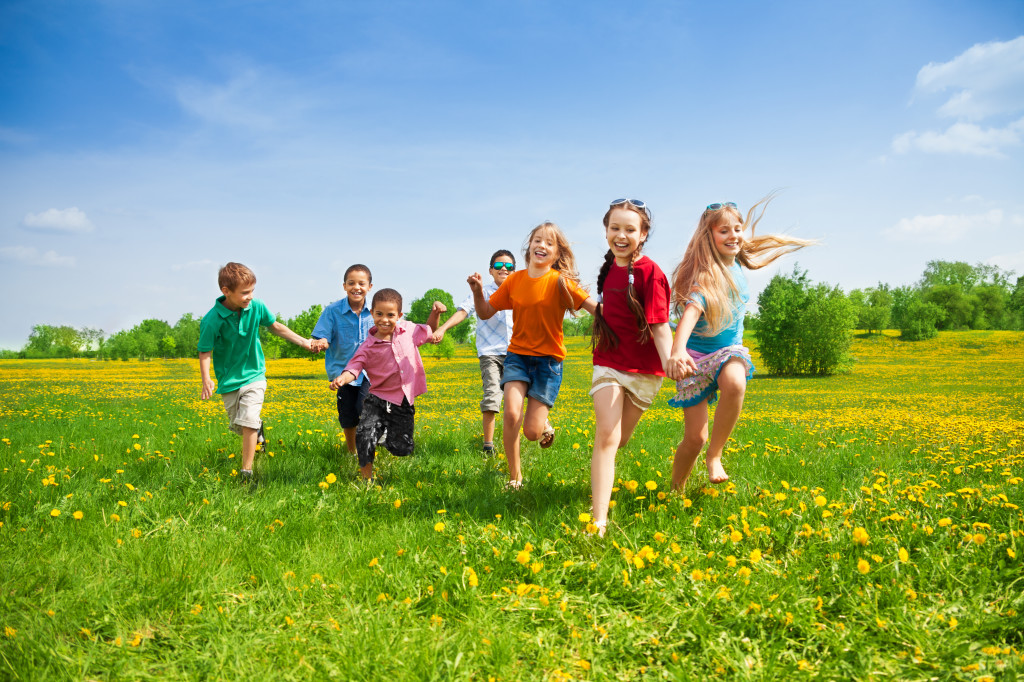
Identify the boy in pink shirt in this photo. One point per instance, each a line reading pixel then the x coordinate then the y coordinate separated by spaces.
pixel 390 358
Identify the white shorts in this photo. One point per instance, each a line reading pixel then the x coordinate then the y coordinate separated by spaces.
pixel 641 388
pixel 244 406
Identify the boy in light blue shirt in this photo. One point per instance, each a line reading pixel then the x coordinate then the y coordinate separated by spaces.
pixel 492 337
pixel 341 329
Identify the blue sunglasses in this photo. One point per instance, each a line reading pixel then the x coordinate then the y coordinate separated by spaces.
pixel 717 206
pixel 635 202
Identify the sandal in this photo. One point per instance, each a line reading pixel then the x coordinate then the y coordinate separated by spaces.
pixel 548 436
pixel 513 485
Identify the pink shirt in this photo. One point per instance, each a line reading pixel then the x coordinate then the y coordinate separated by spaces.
pixel 393 367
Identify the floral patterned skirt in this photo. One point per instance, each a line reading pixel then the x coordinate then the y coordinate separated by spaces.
pixel 703 385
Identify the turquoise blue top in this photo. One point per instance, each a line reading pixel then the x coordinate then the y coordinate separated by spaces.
pixel 234 338
pixel 345 330
pixel 731 335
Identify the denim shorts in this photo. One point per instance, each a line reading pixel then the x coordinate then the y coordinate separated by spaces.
pixel 542 375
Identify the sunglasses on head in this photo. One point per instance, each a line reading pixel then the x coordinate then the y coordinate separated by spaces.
pixel 508 266
pixel 635 202
pixel 716 206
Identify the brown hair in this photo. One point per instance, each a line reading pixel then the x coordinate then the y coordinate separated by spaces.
pixel 234 275
pixel 358 267
pixel 703 271
pixel 387 296
pixel 602 335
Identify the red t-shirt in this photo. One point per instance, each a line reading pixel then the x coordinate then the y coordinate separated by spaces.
pixel 653 292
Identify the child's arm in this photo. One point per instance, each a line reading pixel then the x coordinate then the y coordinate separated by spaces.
pixel 278 329
pixel 680 364
pixel 346 377
pixel 318 345
pixel 457 317
pixel 204 372
pixel 484 309
pixel 590 305
pixel 661 336
pixel 435 315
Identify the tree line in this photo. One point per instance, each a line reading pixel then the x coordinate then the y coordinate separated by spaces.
pixel 801 327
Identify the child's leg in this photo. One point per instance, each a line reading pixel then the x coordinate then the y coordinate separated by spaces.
pixel 350 439
pixel 732 382
pixel 608 405
pixel 695 434
pixel 350 406
pixel 400 423
pixel 515 395
pixel 371 426
pixel 488 419
pixel 536 419
pixel 248 447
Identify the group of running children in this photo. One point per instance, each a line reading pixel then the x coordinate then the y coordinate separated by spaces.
pixel 374 365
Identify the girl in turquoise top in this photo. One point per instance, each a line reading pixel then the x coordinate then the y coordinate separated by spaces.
pixel 708 353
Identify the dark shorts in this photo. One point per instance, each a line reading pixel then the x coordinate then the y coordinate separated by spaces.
pixel 542 375
pixel 350 403
pixel 380 417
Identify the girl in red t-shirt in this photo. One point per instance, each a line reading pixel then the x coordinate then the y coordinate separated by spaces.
pixel 631 341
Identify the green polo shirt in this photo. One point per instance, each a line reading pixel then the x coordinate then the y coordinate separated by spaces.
pixel 234 338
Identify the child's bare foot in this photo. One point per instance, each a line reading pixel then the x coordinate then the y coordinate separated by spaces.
pixel 716 472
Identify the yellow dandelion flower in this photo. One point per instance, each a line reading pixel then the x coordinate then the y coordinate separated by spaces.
pixel 978 539
pixel 953 622
pixel 945 522
pixel 1010 553
pixel 55 513
pixel 79 516
pixel 820 500
pixel 439 526
pixel 331 478
pixel 115 517
pixel 863 566
pixel 398 503
pixel 373 562
pixel 911 594
pixel 324 485
pixel 536 567
pixel 651 485
pixel 584 517
pixel 523 557
pixel 755 556
pixel 860 536
pixel 197 609
pixel 904 555
pixel 735 536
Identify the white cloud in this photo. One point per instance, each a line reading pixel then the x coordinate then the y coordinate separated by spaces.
pixel 943 229
pixel 250 98
pixel 59 220
pixel 962 138
pixel 986 80
pixel 1009 261
pixel 32 256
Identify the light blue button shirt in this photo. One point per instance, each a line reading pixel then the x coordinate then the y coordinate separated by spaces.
pixel 345 330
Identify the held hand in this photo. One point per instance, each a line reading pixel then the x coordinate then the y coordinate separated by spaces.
pixel 318 345
pixel 308 345
pixel 475 282
pixel 437 337
pixel 439 307
pixel 335 384
pixel 208 388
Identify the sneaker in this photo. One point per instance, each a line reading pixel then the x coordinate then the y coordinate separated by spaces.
pixel 488 450
pixel 259 435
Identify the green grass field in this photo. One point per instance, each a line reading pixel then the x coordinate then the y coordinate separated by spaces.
pixel 872 529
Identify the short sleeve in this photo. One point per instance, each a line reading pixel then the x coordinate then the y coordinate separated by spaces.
pixel 469 305
pixel 208 332
pixel 502 298
pixel 579 294
pixel 358 361
pixel 323 327
pixel 421 333
pixel 266 318
pixel 657 296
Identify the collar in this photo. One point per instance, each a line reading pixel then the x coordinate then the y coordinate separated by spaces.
pixel 225 311
pixel 372 334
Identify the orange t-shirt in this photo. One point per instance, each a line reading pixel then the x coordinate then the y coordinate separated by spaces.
pixel 537 311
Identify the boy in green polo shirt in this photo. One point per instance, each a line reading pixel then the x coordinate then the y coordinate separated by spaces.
pixel 230 335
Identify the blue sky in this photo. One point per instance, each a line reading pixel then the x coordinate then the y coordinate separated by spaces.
pixel 144 144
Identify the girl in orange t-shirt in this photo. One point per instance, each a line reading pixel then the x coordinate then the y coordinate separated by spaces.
pixel 538 298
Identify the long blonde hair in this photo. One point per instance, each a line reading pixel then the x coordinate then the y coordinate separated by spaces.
pixel 565 264
pixel 702 270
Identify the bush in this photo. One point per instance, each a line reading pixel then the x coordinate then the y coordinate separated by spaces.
pixel 803 328
pixel 919 320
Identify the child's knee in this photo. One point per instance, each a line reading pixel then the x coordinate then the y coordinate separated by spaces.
pixel 695 439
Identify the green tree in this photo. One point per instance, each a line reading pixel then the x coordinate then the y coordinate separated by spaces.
pixel 803 328
pixel 956 305
pixel 1015 305
pixel 186 335
pixel 40 341
pixel 168 347
pixel 878 309
pixel 990 306
pixel 919 318
pixel 303 325
pixel 420 309
pixel 946 273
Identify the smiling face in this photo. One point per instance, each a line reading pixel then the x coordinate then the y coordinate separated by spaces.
pixel 386 315
pixel 728 236
pixel 240 298
pixel 542 251
pixel 356 286
pixel 624 234
pixel 500 275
